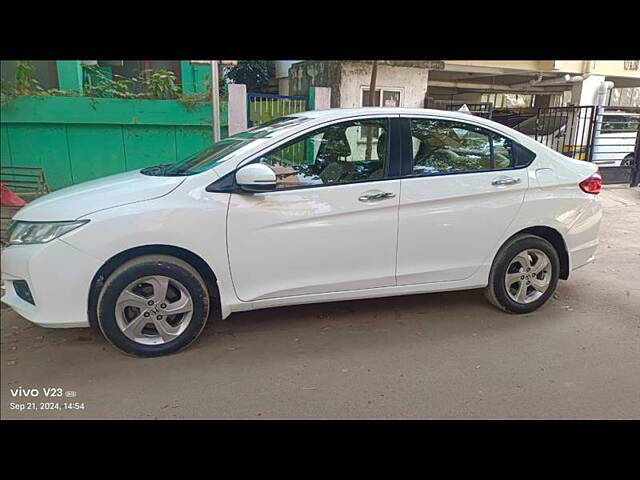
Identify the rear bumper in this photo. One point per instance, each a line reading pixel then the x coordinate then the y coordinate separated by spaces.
pixel 582 238
pixel 58 276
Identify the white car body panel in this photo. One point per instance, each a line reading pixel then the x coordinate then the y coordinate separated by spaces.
pixel 323 238
pixel 258 245
pixel 440 214
pixel 72 202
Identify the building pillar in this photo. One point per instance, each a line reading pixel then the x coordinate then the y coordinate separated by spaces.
pixel 583 94
pixel 70 75
pixel 237 108
pixel 586 92
pixel 319 98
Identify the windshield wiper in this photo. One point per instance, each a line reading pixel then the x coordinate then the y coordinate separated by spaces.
pixel 178 173
pixel 156 170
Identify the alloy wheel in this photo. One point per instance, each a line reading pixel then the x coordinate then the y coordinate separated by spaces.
pixel 154 310
pixel 528 276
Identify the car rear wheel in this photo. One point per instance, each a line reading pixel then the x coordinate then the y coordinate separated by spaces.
pixel 153 305
pixel 524 274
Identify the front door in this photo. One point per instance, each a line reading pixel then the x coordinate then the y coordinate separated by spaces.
pixel 331 225
pixel 463 187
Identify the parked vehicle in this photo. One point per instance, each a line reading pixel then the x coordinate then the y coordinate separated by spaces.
pixel 616 144
pixel 613 147
pixel 313 207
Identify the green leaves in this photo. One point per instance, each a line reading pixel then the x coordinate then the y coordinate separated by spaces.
pixel 24 77
pixel 160 84
pixel 255 74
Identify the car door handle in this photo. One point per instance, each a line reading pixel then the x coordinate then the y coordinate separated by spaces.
pixel 374 195
pixel 505 181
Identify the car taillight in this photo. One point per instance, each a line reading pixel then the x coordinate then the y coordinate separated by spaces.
pixel 592 185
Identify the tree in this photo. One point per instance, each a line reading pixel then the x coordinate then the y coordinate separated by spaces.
pixel 255 74
pixel 372 97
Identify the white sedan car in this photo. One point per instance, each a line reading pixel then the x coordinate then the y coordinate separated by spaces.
pixel 313 207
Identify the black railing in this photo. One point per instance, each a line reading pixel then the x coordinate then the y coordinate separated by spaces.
pixel 481 109
pixel 568 130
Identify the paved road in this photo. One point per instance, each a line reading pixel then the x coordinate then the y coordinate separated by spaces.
pixel 447 355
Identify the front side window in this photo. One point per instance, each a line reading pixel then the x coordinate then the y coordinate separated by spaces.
pixel 346 152
pixel 444 146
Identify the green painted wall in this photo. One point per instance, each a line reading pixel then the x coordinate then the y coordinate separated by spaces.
pixel 194 77
pixel 80 138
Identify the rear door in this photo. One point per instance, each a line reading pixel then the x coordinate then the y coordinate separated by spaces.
pixel 462 186
pixel 332 223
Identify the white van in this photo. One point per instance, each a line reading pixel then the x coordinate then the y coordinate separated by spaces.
pixel 616 144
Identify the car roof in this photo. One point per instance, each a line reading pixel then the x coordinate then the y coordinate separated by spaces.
pixel 349 112
pixel 338 113
pixel 320 116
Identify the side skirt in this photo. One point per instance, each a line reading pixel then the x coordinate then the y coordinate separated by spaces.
pixel 478 280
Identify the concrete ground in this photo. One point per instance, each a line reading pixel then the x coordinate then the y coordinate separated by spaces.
pixel 448 355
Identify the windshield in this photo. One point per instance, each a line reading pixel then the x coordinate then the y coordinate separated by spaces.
pixel 220 151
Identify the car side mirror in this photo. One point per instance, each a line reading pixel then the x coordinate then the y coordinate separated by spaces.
pixel 256 177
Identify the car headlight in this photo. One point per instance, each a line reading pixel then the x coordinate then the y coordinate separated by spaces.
pixel 24 233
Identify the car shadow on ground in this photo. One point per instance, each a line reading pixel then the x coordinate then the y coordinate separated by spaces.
pixel 344 324
pixel 380 320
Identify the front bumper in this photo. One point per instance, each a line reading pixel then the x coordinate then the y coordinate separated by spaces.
pixel 59 277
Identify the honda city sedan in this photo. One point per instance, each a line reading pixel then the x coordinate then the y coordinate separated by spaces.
pixel 312 207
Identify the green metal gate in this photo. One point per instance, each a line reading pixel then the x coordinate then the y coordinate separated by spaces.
pixel 262 107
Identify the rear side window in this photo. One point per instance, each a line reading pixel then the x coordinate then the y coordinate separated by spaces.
pixel 443 146
pixel 523 156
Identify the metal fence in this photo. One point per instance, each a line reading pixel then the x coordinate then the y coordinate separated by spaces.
pixel 28 182
pixel 481 109
pixel 568 130
pixel 262 107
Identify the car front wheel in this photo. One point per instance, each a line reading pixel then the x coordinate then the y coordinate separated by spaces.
pixel 153 305
pixel 524 274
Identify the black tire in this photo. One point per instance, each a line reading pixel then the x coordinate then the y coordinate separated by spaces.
pixel 627 161
pixel 496 291
pixel 144 266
